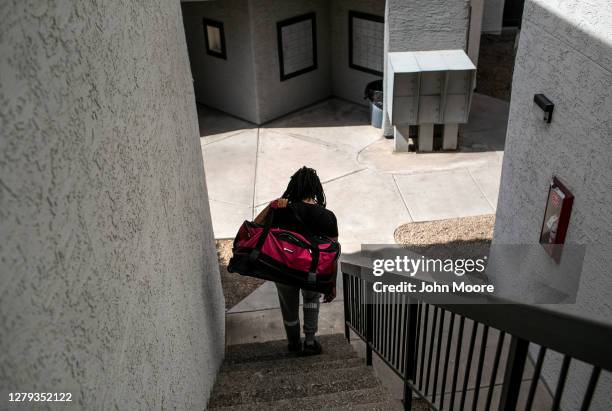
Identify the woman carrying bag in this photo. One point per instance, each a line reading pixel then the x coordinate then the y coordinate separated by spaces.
pixel 301 209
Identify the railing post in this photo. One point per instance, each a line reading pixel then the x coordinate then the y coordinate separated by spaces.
pixel 369 321
pixel 347 315
pixel 514 374
pixel 410 353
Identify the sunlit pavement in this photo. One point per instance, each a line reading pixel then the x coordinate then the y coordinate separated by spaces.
pixel 371 189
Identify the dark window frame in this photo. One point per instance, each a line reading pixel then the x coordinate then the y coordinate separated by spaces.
pixel 364 16
pixel 279 35
pixel 219 25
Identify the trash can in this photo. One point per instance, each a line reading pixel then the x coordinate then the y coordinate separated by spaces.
pixel 374 94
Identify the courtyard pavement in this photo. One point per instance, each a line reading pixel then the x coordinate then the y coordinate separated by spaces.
pixel 371 190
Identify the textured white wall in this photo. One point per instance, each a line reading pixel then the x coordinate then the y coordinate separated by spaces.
pixel 565 52
pixel 276 98
pixel 248 84
pixel 349 83
pixel 492 21
pixel 476 19
pixel 228 85
pixel 417 25
pixel 109 282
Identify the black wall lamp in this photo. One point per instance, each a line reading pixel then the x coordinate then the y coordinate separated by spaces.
pixel 546 105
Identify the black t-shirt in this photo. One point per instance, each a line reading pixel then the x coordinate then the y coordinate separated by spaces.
pixel 319 220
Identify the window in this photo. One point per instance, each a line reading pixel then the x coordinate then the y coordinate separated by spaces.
pixel 366 42
pixel 297 45
pixel 215 38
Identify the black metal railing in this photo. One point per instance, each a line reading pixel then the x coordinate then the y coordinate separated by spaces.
pixel 462 355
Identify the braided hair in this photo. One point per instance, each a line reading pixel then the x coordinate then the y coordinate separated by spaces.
pixel 305 184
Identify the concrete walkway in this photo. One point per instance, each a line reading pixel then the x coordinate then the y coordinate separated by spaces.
pixel 371 190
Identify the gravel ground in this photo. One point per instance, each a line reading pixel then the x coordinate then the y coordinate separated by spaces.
pixel 235 286
pixel 446 231
pixel 467 237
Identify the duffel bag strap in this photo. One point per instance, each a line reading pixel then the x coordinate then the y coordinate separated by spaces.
pixel 312 273
pixel 254 255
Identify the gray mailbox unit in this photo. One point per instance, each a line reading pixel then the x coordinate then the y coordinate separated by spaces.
pixel 426 88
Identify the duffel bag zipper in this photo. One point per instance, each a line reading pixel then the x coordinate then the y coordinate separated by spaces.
pixel 293 239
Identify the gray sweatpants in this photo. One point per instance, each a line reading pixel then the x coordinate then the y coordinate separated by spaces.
pixel 289 298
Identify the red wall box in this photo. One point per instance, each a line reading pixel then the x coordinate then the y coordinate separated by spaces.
pixel 556 218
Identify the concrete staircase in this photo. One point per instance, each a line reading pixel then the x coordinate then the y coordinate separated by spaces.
pixel 265 376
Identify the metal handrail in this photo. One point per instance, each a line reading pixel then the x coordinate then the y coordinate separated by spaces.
pixel 397 328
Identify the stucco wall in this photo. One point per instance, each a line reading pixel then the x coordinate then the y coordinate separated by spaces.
pixel 565 52
pixel 347 82
pixel 276 97
pixel 493 16
pixel 416 25
pixel 225 84
pixel 476 20
pixel 109 283
pixel 248 84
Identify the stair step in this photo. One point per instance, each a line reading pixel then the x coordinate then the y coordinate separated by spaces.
pixel 282 362
pixel 266 376
pixel 306 384
pixel 383 405
pixel 334 344
pixel 275 345
pixel 356 398
pixel 386 404
pixel 419 404
pixel 271 369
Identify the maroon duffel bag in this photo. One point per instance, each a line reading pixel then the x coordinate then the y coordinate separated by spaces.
pixel 303 260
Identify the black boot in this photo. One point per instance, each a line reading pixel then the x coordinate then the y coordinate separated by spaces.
pixel 312 347
pixel 295 345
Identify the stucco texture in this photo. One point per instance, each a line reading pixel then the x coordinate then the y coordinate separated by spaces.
pixel 226 84
pixel 565 52
pixel 247 84
pixel 493 16
pixel 109 283
pixel 275 97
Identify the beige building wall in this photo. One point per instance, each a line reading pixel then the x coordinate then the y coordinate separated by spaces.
pixel 225 84
pixel 493 16
pixel 275 97
pixel 109 284
pixel 349 83
pixel 565 52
